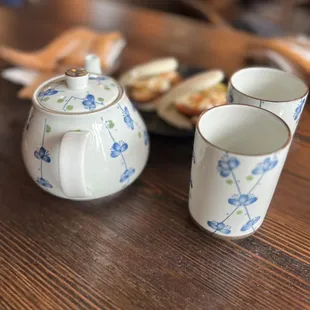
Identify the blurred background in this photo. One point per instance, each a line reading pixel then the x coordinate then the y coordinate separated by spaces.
pixel 277 31
pixel 264 17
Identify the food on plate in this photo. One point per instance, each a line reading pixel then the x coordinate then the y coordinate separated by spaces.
pixel 181 106
pixel 146 83
pixel 194 104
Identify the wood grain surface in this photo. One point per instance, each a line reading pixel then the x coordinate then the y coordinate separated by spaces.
pixel 139 249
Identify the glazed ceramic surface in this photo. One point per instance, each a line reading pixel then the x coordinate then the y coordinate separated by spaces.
pixel 84 140
pixel 277 91
pixel 238 155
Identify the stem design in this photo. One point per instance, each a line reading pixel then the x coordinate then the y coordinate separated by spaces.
pixel 43 138
pixel 124 161
pixel 44 129
pixel 40 180
pixel 130 117
pixel 121 153
pixel 236 182
pixel 248 214
pixel 228 216
pixel 245 208
pixel 240 193
pixel 241 203
pixel 238 188
pixel 108 130
pixel 260 178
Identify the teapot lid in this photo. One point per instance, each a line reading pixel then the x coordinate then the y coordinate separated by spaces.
pixel 77 92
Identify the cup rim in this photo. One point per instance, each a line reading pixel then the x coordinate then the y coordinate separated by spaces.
pixel 238 153
pixel 269 69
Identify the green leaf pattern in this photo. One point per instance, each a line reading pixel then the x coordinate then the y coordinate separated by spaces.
pixel 48 128
pixel 110 124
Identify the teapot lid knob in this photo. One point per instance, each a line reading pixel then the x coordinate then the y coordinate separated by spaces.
pixel 77 79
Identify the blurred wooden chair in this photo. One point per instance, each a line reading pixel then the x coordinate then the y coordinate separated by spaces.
pixel 271 44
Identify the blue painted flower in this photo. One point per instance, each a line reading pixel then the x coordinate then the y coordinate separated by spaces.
pixel 225 166
pixel 265 166
pixel 146 137
pixel 230 97
pixel 98 78
pixel 43 154
pixel 127 118
pixel 242 200
pixel 128 173
pixel 118 148
pixel 89 102
pixel 44 183
pixel 48 92
pixel 250 223
pixel 219 226
pixel 299 109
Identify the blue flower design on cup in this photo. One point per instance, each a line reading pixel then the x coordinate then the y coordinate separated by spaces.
pixel 128 173
pixel 127 118
pixel 48 92
pixel 219 226
pixel 242 200
pixel 43 154
pixel 226 166
pixel 249 224
pixel 118 148
pixel 299 110
pixel 89 102
pixel 146 137
pixel 43 182
pixel 265 166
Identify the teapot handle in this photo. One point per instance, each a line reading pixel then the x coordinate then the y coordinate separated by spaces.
pixel 71 164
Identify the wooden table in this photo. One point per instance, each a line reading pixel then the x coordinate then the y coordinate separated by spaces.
pixel 139 249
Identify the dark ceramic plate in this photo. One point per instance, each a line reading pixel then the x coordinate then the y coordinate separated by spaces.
pixel 158 126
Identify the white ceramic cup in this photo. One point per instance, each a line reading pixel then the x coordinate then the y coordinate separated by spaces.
pixel 274 90
pixel 238 155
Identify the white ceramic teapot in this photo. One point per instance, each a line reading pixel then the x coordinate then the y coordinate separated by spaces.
pixel 83 138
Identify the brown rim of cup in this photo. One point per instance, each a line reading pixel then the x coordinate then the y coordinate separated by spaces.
pixel 251 107
pixel 270 69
